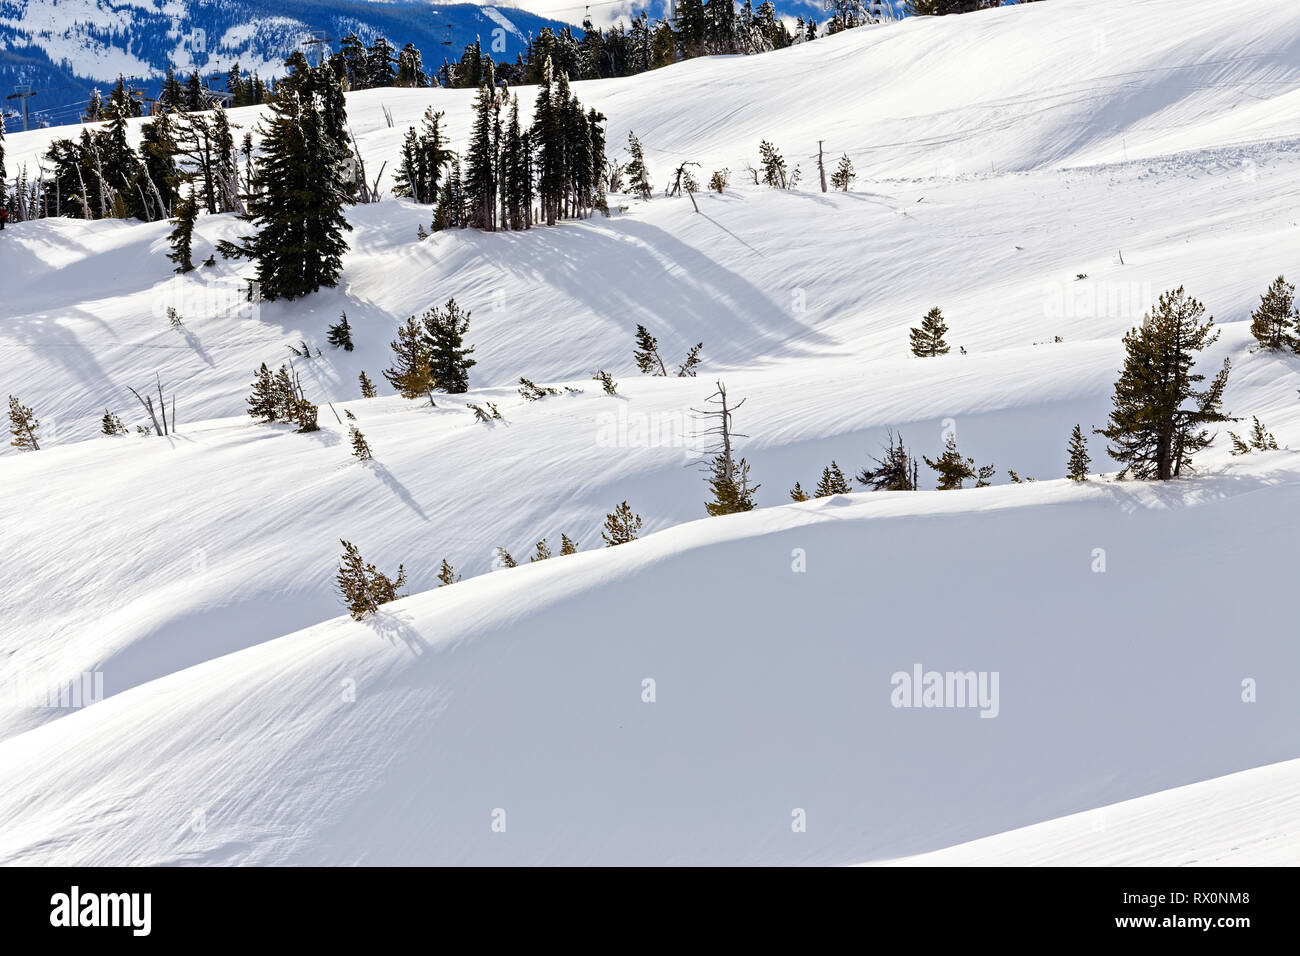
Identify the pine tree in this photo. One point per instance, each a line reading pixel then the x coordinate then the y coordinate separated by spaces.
pixel 368 389
pixel 542 553
pixel 567 545
pixel 896 471
pixel 424 157
pixel 23 426
pixel 193 101
pixel 638 177
pixel 646 353
pixel 505 559
pixel 1077 467
pixel 927 341
pixel 449 357
pixel 360 447
pixel 729 486
pixel 797 493
pixel 597 166
pixel 1150 431
pixel 450 211
pixel 363 586
pixel 548 142
pixel 172 94
pixel 606 381
pixel 111 424
pixel 621 526
pixel 832 482
pixel 182 234
pixel 447 574
pixel 481 167
pixel 1260 439
pixel 688 367
pixel 158 178
pixel 380 60
pixel 299 187
pixel 516 174
pixel 410 373
pixel 352 56
pixel 952 468
pixel 1276 322
pixel 235 86
pixel 410 72
pixel 94 107
pixel 340 335
pixel 264 404
pixel 774 168
pixel 285 394
pixel 844 175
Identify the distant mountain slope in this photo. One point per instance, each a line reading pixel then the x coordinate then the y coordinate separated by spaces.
pixel 63 48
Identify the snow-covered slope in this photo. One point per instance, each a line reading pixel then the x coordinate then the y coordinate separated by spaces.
pixel 176 567
pixel 522 691
pixel 1251 818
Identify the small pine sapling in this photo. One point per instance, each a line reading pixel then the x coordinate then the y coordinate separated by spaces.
pixel 844 175
pixel 340 334
pixel 832 482
pixel 1077 465
pixel 621 526
pixel 360 447
pixel 110 424
pixel 606 382
pixel 646 353
pixel 532 391
pixel 927 341
pixel 688 367
pixel 447 574
pixel 1260 439
pixel 363 586
pixel 23 426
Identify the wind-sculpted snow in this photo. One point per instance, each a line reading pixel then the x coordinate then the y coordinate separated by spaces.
pixel 1140 635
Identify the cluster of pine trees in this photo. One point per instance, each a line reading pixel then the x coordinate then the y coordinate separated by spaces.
pixel 98 175
pixel 378 65
pixel 512 177
pixel 364 588
pixel 430 354
pixel 278 397
pixel 194 95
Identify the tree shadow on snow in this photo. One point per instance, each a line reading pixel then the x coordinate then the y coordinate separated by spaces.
pixel 395 627
pixel 396 487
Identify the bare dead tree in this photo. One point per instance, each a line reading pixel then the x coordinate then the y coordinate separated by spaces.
pixel 676 188
pixel 721 431
pixel 146 402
